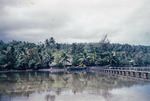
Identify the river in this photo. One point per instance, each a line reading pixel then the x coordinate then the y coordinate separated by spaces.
pixel 45 86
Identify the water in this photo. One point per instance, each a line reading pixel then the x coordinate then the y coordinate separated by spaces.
pixel 44 86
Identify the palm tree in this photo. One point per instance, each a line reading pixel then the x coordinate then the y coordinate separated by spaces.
pixel 8 57
pixel 84 59
pixel 65 59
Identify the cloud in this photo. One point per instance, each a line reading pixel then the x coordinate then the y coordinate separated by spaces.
pixel 125 21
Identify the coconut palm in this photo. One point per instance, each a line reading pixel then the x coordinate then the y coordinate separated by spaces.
pixel 65 59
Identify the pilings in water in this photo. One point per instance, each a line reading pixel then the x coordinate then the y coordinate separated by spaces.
pixel 128 73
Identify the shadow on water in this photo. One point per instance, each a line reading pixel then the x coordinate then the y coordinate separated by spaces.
pixel 44 86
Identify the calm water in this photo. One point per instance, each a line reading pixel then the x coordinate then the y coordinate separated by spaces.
pixel 43 86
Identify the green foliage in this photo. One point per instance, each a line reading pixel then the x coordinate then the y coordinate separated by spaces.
pixel 23 55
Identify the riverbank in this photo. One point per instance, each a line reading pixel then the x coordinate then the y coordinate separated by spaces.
pixel 52 70
pixel 93 68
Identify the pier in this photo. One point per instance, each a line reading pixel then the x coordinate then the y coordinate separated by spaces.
pixel 134 72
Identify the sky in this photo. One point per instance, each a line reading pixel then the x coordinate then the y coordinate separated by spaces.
pixel 124 21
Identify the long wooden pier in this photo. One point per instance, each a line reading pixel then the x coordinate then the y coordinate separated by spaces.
pixel 134 72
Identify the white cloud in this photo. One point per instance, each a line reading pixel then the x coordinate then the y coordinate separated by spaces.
pixel 126 21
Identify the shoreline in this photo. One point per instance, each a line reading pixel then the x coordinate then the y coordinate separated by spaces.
pixel 40 70
pixel 54 70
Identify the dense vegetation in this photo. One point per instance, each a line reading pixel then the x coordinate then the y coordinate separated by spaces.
pixel 24 55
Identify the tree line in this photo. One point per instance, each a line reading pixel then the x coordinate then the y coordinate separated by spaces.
pixel 18 55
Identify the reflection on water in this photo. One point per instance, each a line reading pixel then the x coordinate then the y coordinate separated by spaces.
pixel 43 86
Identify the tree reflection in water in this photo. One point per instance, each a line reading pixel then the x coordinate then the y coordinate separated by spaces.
pixel 25 84
pixel 50 97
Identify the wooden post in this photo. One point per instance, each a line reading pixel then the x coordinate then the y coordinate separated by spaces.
pixel 138 74
pixel 145 76
pixel 124 72
pixel 129 73
pixel 133 74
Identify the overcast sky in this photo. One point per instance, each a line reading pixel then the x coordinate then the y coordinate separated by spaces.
pixel 125 21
